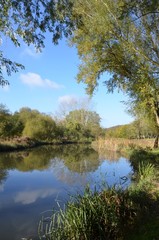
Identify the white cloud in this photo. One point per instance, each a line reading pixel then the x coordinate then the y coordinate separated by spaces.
pixel 75 102
pixel 1 187
pixel 31 51
pixel 35 80
pixel 28 197
pixel 68 99
pixel 1 41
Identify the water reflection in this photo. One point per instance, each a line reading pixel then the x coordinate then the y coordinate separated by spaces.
pixel 39 158
pixel 3 175
pixel 79 158
pixel 31 181
pixel 27 197
pixel 109 155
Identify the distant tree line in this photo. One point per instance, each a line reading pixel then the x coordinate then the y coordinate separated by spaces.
pixel 138 129
pixel 78 125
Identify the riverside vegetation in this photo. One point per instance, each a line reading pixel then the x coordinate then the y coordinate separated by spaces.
pixel 112 213
pixel 28 128
pixel 127 50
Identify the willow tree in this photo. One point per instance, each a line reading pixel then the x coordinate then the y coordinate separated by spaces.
pixel 124 45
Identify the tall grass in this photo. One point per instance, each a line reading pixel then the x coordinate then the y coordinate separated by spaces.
pixel 91 216
pixel 120 144
pixel 101 215
pixel 146 171
pixel 145 180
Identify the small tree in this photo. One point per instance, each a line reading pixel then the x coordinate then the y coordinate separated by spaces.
pixel 40 128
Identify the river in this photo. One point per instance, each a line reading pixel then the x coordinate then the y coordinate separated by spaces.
pixel 33 182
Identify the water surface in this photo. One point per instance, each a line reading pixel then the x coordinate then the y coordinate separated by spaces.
pixel 33 181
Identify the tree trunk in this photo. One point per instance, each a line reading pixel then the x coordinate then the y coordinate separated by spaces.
pixel 156 142
pixel 157 121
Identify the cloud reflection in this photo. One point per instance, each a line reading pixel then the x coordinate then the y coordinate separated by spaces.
pixel 28 197
pixel 1 187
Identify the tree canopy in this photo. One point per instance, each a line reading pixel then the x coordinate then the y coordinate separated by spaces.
pixel 83 123
pixel 119 37
pixel 78 126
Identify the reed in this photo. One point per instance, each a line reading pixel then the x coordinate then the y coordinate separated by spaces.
pixel 145 181
pixel 121 144
pixel 91 216
pixel 101 215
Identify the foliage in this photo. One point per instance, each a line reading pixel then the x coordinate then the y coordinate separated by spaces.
pixel 82 123
pixel 40 127
pixel 26 113
pixel 10 125
pixel 109 214
pixel 92 216
pixel 140 128
pixel 79 125
pixel 145 176
pixel 105 215
pixel 28 21
pixel 118 37
pixel 84 117
pixel 122 131
pixel 126 49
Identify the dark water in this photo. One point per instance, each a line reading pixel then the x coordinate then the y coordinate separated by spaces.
pixel 32 182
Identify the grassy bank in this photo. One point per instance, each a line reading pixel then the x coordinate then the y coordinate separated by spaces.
pixel 112 213
pixel 16 144
pixel 22 143
pixel 121 145
pixel 137 150
pixel 19 143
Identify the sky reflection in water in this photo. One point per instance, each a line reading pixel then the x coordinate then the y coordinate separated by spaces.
pixel 32 182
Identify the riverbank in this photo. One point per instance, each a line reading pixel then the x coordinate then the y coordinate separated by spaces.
pixel 19 143
pixel 22 143
pixel 145 162
pixel 121 144
pixel 114 213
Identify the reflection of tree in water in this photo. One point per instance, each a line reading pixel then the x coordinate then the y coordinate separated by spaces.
pixel 112 156
pixel 75 158
pixel 5 165
pixel 3 176
pixel 74 163
pixel 35 159
pixel 78 158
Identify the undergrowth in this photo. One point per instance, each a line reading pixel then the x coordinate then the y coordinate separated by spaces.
pixel 102 215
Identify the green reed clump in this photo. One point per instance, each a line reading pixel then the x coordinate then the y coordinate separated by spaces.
pixel 102 215
pixel 92 216
pixel 145 180
pixel 146 171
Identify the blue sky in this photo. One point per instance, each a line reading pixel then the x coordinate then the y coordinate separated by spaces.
pixel 49 81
